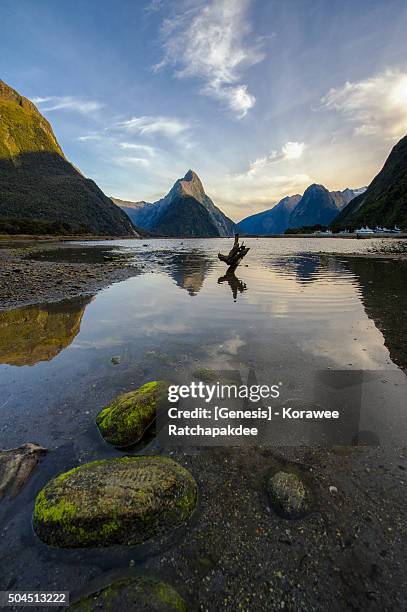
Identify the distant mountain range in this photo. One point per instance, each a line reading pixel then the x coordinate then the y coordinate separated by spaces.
pixel 316 206
pixel 384 202
pixel 186 211
pixel 40 190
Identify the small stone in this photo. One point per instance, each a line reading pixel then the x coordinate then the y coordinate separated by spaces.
pixel 333 490
pixel 289 496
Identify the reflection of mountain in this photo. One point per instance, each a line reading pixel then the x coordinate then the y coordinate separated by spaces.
pixel 305 268
pixel 235 284
pixel 38 333
pixel 384 297
pixel 189 270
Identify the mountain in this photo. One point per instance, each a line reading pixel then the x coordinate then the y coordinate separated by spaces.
pixel 322 204
pixel 316 206
pixel 185 211
pixel 272 221
pixel 38 184
pixel 342 198
pixel 384 202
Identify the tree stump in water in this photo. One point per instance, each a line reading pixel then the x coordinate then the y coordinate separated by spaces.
pixel 235 255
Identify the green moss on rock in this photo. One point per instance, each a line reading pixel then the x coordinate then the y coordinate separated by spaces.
pixel 125 420
pixel 114 501
pixel 289 496
pixel 141 593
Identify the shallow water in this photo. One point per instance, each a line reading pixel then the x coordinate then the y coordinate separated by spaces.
pixel 293 310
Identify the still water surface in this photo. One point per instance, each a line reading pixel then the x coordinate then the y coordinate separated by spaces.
pixel 293 310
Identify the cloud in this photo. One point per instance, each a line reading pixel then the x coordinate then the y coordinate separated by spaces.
pixel 127 160
pixel 210 43
pixel 145 125
pixel 377 106
pixel 89 137
pixel 138 147
pixel 55 103
pixel 258 167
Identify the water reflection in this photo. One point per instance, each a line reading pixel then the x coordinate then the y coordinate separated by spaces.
pixel 189 270
pixel 384 297
pixel 236 285
pixel 39 333
pixel 307 268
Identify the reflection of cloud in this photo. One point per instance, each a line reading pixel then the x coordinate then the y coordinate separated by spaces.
pixel 376 106
pixel 209 43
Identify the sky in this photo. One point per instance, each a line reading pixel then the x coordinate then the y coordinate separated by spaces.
pixel 260 97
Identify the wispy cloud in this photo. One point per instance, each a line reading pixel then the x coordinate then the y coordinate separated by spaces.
pixel 375 106
pixel 138 147
pixel 55 103
pixel 89 137
pixel 260 166
pixel 145 125
pixel 128 160
pixel 210 42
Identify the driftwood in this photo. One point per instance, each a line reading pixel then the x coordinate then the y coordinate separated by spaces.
pixel 16 466
pixel 235 255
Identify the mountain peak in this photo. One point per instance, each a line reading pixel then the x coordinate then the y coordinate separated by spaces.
pixel 191 185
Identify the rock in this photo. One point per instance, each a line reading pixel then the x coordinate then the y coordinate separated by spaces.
pixel 289 496
pixel 124 421
pixel 114 501
pixel 16 466
pixel 140 593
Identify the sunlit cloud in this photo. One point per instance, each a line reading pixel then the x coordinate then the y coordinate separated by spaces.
pixel 70 103
pixel 258 167
pixel 376 106
pixel 211 43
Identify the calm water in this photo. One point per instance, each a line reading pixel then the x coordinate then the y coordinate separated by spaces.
pixel 293 310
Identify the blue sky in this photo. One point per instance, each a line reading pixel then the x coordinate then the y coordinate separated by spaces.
pixel 261 98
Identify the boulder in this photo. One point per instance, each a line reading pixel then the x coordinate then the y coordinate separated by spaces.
pixel 289 496
pixel 140 593
pixel 125 420
pixel 114 501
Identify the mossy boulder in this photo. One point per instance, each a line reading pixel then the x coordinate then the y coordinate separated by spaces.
pixel 289 496
pixel 114 501
pixel 141 593
pixel 125 420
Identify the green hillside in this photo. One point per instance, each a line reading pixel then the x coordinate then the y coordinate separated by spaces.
pixel 37 183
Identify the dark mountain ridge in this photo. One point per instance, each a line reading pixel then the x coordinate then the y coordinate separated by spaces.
pixel 384 202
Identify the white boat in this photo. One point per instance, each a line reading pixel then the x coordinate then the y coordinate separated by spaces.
pixel 363 231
